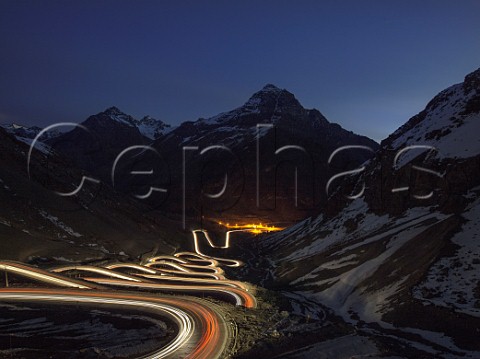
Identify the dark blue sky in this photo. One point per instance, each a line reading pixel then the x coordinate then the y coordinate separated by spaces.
pixel 368 65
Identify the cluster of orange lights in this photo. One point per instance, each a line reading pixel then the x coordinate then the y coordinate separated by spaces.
pixel 251 227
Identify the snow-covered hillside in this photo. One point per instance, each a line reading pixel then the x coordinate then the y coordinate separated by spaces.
pixel 450 122
pixel 392 264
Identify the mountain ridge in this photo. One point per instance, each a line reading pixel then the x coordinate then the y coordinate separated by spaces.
pixel 148 126
pixel 271 118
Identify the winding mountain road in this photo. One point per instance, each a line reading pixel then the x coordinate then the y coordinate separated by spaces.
pixel 202 331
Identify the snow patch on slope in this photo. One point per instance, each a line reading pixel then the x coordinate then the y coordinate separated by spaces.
pixel 452 281
pixel 59 223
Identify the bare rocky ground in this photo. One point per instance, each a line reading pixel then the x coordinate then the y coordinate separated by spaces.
pixel 288 325
pixel 36 331
pixel 276 329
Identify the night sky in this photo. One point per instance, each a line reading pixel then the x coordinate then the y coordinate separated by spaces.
pixel 367 65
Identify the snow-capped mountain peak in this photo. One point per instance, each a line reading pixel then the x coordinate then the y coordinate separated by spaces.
pixel 151 127
pixel 21 130
pixel 115 114
pixel 147 126
pixel 270 99
pixel 271 88
pixel 266 105
pixel 113 110
pixel 16 126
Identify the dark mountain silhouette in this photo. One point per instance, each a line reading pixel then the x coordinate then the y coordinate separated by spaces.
pixel 271 134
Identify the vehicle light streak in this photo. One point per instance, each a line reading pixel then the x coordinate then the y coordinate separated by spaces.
pixel 131 266
pixel 167 257
pixel 226 282
pixel 98 270
pixel 226 261
pixel 181 274
pixel 183 312
pixel 41 275
pixel 210 269
pixel 164 263
pixel 195 257
pixel 241 297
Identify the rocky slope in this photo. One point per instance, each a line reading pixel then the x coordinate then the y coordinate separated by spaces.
pixel 38 224
pixel 401 261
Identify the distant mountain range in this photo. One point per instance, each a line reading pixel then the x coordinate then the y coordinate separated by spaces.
pixel 91 149
pixel 271 120
pixel 147 126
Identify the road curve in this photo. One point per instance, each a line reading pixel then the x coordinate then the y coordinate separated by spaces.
pixel 239 296
pixel 225 261
pixel 202 333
